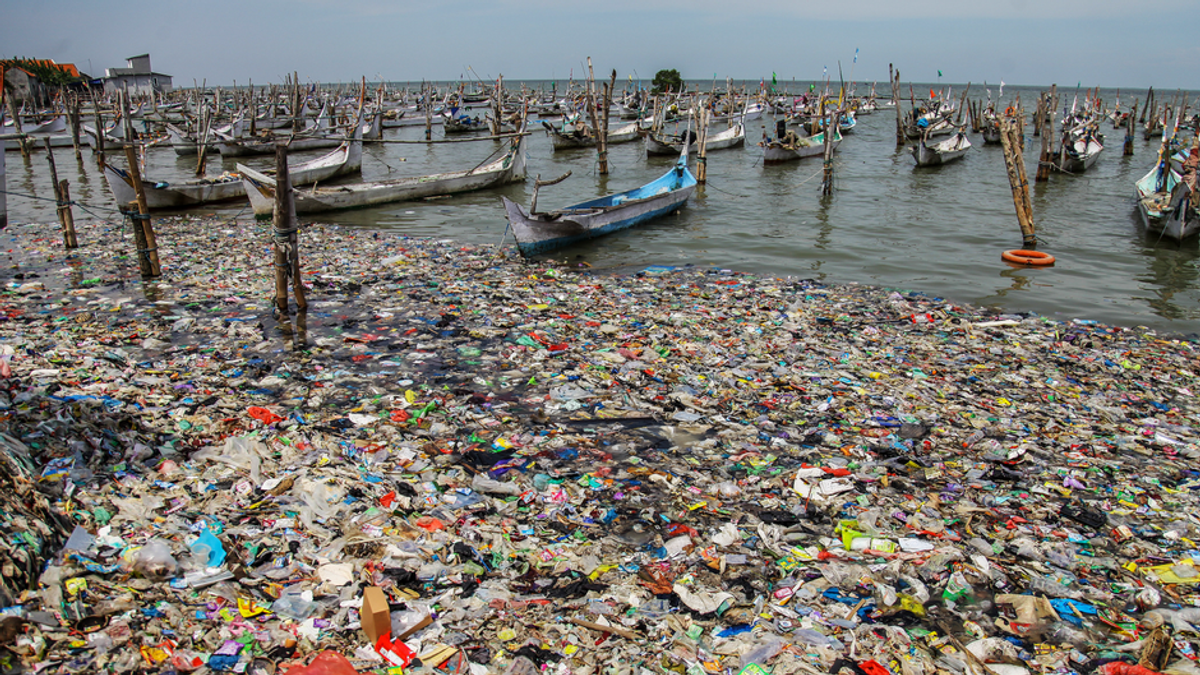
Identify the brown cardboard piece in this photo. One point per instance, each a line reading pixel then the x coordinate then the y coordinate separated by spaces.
pixel 375 614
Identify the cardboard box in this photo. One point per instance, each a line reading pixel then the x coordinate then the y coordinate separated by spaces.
pixel 376 615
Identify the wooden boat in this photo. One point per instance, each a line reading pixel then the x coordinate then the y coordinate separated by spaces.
pixel 185 143
pixel 1167 199
pixel 940 153
pixel 457 124
pixel 244 147
pixel 577 138
pixel 1079 151
pixel 658 144
pixel 345 160
pixel 540 232
pixel 507 169
pixel 793 147
pixel 112 138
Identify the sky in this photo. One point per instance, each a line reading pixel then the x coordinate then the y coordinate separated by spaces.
pixel 1021 42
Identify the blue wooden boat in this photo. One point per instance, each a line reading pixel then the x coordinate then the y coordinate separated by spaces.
pixel 540 232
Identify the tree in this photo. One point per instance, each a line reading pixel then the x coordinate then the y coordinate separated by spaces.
pixel 667 80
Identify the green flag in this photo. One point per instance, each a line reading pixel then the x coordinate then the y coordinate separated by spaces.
pixel 773 80
pixel 939 73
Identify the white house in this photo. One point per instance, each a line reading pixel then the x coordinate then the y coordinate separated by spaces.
pixel 137 76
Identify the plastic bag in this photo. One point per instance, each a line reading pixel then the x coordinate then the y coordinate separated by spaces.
pixel 326 663
pixel 154 560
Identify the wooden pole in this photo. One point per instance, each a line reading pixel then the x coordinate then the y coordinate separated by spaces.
pixel 14 115
pixel 147 255
pixel 428 111
pixel 1046 159
pixel 73 118
pixel 594 113
pixel 900 139
pixel 1129 122
pixel 65 218
pixel 1014 163
pixel 287 240
pixel 98 119
pixel 702 150
pixel 832 128
pixel 3 187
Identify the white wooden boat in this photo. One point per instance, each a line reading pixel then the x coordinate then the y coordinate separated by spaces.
pixel 509 168
pixel 540 232
pixel 942 152
pixel 659 144
pixel 112 138
pixel 794 147
pixel 345 160
pixel 243 147
pixel 1078 153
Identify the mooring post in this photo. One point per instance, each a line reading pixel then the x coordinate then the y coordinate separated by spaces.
pixel 65 219
pixel 1014 163
pixel 147 254
pixel 286 237
pixel 1129 122
pixel 14 115
pixel 1045 159
pixel 900 136
pixel 73 118
pixel 3 188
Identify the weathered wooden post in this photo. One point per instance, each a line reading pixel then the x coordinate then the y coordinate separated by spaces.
pixel 1129 122
pixel 1014 163
pixel 428 111
pixel 98 149
pixel 832 128
pixel 73 119
pixel 1045 159
pixel 22 139
pixel 62 196
pixel 147 254
pixel 594 114
pixel 287 240
pixel 3 188
pixel 900 139
pixel 702 146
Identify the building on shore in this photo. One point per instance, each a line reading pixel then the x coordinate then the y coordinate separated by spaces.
pixel 137 77
pixel 36 81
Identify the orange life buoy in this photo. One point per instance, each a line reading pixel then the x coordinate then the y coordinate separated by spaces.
pixel 1023 257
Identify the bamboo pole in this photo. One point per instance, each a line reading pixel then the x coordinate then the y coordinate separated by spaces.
pixel 3 187
pixel 65 218
pixel 1129 122
pixel 1046 158
pixel 1014 163
pixel 73 118
pixel 900 136
pixel 428 111
pixel 286 238
pixel 98 119
pixel 702 151
pixel 147 254
pixel 830 130
pixel 22 139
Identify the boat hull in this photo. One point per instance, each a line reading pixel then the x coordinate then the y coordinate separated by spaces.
pixel 508 169
pixel 347 159
pixel 541 233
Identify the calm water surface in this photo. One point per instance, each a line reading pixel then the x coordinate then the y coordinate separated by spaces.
pixel 936 230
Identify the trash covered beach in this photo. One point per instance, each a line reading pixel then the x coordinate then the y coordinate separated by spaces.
pixel 534 468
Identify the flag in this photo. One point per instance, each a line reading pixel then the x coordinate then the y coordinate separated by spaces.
pixel 774 80
pixel 856 54
pixel 939 73
pixel 932 94
pixel 812 87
